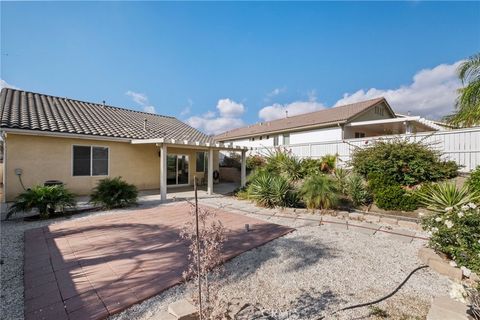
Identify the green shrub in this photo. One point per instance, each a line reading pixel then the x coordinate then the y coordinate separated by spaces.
pixel 406 163
pixel 270 190
pixel 114 193
pixel 394 197
pixel 319 192
pixel 357 191
pixel 255 161
pixel 456 233
pixel 47 199
pixel 439 196
pixel 473 182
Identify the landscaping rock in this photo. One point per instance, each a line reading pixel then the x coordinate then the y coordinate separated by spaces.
pixel 427 254
pixel 466 272
pixel 448 309
pixel 356 216
pixel 371 218
pixel 365 228
pixel 183 310
pixel 445 269
pixel 474 277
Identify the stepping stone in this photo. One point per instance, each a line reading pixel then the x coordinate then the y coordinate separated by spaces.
pixel 447 308
pixel 403 235
pixel 164 315
pixel 183 310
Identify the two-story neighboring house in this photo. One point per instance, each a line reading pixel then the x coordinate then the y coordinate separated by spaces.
pixel 358 120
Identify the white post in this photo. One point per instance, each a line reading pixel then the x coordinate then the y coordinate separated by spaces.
pixel 163 172
pixel 243 169
pixel 210 171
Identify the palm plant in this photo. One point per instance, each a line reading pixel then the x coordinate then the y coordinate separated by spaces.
pixel 328 163
pixel 319 192
pixel 438 197
pixel 114 193
pixel 46 199
pixel 467 107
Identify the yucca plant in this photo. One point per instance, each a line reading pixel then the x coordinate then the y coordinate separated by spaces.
pixel 319 192
pixel 357 190
pixel 284 163
pixel 114 193
pixel 46 199
pixel 437 197
pixel 270 190
pixel 341 176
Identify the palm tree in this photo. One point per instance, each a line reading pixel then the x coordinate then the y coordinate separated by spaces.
pixel 467 111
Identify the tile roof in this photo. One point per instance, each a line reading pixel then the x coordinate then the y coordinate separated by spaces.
pixel 40 112
pixel 318 118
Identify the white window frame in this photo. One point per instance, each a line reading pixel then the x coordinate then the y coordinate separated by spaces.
pixel 91 160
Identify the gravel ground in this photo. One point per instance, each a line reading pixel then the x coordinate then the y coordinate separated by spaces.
pixel 316 270
pixel 307 273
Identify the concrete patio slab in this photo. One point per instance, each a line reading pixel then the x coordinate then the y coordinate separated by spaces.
pixel 94 267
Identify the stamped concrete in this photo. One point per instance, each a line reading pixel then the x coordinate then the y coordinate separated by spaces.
pixel 92 268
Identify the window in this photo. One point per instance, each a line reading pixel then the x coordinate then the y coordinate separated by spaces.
pixel 359 134
pixel 260 137
pixel 275 141
pixel 286 139
pixel 90 161
pixel 201 162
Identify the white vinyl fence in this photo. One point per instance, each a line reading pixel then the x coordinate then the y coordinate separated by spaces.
pixel 462 146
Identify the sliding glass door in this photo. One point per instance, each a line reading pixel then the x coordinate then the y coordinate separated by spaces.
pixel 177 169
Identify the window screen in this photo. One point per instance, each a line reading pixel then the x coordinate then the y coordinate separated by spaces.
pixel 286 139
pixel 99 161
pixel 81 161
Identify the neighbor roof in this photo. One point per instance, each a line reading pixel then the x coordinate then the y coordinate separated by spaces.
pixel 320 118
pixel 40 112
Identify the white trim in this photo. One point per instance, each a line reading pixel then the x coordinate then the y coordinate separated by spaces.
pixel 91 160
pixel 63 135
pixel 381 121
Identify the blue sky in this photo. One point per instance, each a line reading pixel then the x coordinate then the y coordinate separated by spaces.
pixel 220 65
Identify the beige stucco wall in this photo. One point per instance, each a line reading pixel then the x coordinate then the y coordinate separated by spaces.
pixel 44 158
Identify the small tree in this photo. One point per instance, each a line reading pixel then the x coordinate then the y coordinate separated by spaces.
pixel 205 244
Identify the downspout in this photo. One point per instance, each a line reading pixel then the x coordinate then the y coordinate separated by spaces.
pixel 4 165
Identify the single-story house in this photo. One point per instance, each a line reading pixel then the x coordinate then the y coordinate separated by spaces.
pixel 78 143
pixel 357 120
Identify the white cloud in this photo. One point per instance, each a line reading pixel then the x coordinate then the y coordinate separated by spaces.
pixel 5 84
pixel 277 111
pixel 142 100
pixel 186 111
pixel 275 92
pixel 432 93
pixel 229 108
pixel 228 118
